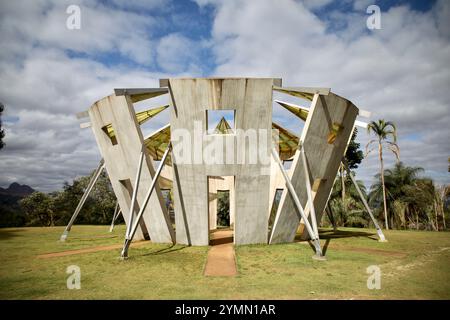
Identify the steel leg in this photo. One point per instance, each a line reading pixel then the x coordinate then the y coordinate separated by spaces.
pixel 363 199
pixel 311 233
pixel 115 215
pixel 135 190
pixel 91 184
pixel 130 235
pixel 309 192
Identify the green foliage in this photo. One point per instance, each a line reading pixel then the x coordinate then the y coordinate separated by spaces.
pixel 56 208
pixel 350 189
pixel 383 129
pixel 39 209
pixel 223 208
pixel 353 155
pixel 351 211
pixel 411 199
pixel 11 213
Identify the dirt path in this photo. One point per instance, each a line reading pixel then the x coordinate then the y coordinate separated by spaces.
pixel 87 250
pixel 221 260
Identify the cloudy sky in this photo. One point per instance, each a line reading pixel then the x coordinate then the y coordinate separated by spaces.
pixel 48 72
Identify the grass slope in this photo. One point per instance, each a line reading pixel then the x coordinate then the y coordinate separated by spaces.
pixel 414 265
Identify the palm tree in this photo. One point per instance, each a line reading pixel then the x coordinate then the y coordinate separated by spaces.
pixel 383 130
pixel 348 211
pixel 407 195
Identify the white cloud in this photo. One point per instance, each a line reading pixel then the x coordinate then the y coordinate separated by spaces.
pixel 43 87
pixel 45 146
pixel 179 54
pixel 103 29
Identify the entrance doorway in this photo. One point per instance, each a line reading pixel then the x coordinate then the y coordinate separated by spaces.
pixel 221 191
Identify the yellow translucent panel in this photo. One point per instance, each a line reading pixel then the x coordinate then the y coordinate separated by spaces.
pixel 141 117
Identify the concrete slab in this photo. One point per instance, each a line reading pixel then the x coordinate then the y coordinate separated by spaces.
pixel 324 139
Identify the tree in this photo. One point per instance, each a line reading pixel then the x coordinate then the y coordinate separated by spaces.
pixel 350 211
pixel 223 208
pixel 383 130
pixel 98 208
pixel 412 200
pixel 56 208
pixel 442 193
pixel 2 132
pixel 39 209
pixel 354 156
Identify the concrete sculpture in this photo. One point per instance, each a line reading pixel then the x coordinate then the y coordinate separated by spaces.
pixel 243 157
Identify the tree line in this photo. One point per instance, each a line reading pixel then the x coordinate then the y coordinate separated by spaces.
pixel 400 197
pixel 56 208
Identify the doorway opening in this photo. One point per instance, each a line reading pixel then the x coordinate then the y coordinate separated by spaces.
pixel 221 211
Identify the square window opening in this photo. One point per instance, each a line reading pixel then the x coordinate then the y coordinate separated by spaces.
pixel 220 121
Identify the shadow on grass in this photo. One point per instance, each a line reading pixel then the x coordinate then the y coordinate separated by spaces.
pixel 338 234
pixel 10 233
pixel 327 235
pixel 169 249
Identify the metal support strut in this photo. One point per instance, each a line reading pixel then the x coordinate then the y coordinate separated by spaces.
pixel 312 235
pixel 91 184
pixel 129 236
pixel 116 214
pixel 309 192
pixel 379 231
pixel 135 190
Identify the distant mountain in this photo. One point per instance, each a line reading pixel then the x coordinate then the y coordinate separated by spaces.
pixel 11 214
pixel 16 189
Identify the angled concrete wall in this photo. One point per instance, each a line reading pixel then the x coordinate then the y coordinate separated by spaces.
pixel 121 160
pixel 323 156
pixel 252 101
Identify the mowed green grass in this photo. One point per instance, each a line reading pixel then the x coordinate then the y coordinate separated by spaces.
pixel 414 265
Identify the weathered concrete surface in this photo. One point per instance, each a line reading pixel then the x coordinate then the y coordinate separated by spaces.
pixel 323 157
pixel 121 162
pixel 252 101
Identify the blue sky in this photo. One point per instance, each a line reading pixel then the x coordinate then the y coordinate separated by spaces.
pixel 49 73
pixel 195 22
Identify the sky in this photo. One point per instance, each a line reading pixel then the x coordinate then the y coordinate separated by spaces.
pixel 48 72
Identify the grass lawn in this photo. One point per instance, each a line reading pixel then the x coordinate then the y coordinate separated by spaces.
pixel 414 265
